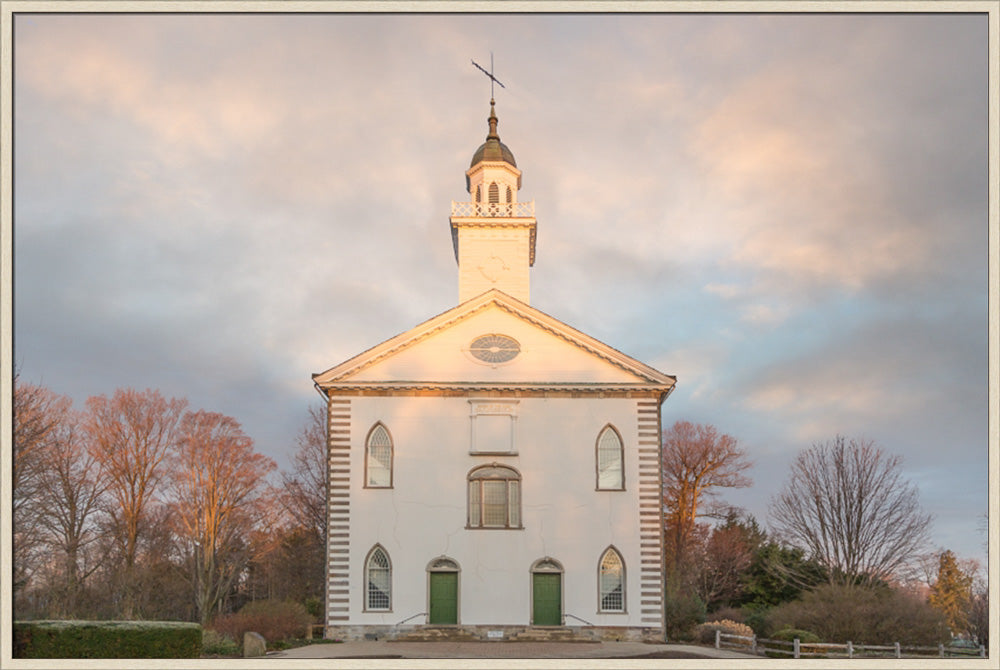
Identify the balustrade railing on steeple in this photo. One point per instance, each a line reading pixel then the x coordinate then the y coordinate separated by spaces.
pixel 494 209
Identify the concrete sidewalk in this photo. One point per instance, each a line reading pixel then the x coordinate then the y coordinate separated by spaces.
pixel 385 649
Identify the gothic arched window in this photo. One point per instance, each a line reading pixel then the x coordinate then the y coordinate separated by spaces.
pixel 611 582
pixel 610 456
pixel 479 193
pixel 378 580
pixel 378 458
pixel 510 194
pixel 494 193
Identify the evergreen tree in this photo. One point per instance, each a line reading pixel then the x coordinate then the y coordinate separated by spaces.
pixel 951 593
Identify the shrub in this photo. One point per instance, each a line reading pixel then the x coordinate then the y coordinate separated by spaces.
pixel 106 639
pixel 756 617
pixel 276 620
pixel 683 613
pixel 214 643
pixel 879 615
pixel 706 631
pixel 790 634
pixel 729 613
pixel 315 607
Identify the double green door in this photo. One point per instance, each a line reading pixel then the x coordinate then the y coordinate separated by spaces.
pixel 444 598
pixel 546 599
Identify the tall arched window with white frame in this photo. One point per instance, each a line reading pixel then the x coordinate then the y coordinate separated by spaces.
pixel 378 581
pixel 378 458
pixel 611 582
pixel 610 459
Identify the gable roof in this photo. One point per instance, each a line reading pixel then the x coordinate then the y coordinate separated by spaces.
pixel 632 373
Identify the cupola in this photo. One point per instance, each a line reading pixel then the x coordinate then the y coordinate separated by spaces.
pixel 493 233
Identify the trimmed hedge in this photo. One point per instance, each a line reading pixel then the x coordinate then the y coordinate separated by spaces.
pixel 106 639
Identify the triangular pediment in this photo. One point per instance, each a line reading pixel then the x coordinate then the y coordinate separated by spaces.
pixel 440 351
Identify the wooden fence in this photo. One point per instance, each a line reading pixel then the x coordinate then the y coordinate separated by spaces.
pixel 797 649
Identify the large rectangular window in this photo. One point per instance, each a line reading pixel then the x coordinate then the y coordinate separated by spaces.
pixel 494 497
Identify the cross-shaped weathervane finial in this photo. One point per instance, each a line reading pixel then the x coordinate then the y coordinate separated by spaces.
pixel 489 74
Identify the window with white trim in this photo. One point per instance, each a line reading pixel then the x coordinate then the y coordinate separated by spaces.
pixel 494 497
pixel 610 455
pixel 611 582
pixel 378 458
pixel 378 581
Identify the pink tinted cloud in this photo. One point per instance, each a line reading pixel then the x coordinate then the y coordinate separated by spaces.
pixel 83 71
pixel 808 200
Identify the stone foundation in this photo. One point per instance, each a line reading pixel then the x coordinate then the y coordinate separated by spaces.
pixel 414 633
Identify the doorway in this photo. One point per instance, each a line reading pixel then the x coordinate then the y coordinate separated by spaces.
pixel 546 593
pixel 442 592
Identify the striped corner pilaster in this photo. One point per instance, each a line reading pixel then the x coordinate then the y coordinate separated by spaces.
pixel 338 510
pixel 650 514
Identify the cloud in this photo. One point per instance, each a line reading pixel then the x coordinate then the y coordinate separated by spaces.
pixel 874 375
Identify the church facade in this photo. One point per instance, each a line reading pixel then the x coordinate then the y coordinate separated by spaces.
pixel 493 472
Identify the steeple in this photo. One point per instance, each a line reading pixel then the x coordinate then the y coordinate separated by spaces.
pixel 493 234
pixel 493 149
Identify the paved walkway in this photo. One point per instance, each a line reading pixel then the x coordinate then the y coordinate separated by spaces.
pixel 386 649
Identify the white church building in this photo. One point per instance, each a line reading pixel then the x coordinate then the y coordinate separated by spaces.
pixel 493 472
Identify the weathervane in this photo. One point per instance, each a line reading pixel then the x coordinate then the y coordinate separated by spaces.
pixel 489 74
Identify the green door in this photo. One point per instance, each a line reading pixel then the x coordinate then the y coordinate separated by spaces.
pixel 547 598
pixel 444 598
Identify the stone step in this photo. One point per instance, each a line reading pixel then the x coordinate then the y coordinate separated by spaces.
pixel 552 634
pixel 436 634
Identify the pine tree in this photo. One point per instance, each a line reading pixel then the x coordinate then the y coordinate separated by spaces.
pixel 951 593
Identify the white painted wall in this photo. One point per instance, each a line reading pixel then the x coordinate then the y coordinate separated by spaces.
pixel 424 515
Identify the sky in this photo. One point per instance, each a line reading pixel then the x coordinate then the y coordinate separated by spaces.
pixel 789 212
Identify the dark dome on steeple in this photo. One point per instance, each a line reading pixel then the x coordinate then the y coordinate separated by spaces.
pixel 493 149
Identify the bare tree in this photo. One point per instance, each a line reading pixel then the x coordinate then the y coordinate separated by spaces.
pixel 296 563
pixel 69 494
pixel 304 494
pixel 217 481
pixel 130 435
pixel 721 561
pixel 847 505
pixel 37 412
pixel 979 606
pixel 696 461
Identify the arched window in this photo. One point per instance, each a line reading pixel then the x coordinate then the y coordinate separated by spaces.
pixel 378 458
pixel 510 194
pixel 479 193
pixel 610 456
pixel 494 193
pixel 611 582
pixel 378 580
pixel 494 497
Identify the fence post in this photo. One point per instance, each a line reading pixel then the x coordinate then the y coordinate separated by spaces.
pixel 941 650
pixel 982 651
pixel 718 634
pixel 753 644
pixel 897 650
pixel 850 649
pixel 795 647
